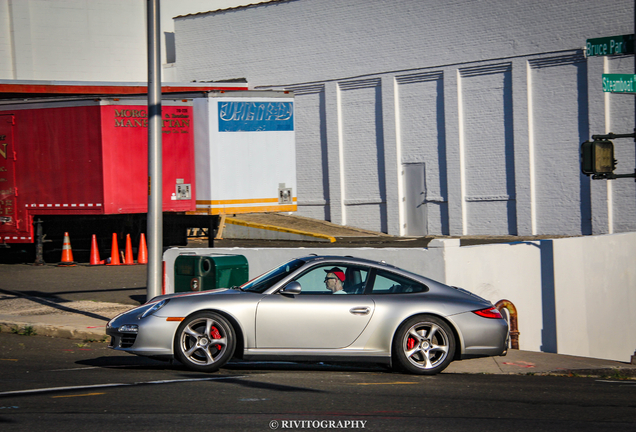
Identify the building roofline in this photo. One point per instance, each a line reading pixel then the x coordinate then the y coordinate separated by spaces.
pixel 22 88
pixel 232 8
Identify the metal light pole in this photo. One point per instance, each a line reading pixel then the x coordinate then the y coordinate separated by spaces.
pixel 155 217
pixel 633 359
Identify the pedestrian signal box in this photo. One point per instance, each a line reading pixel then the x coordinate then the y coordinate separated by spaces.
pixel 597 158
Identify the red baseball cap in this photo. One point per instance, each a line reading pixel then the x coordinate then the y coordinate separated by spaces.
pixel 339 273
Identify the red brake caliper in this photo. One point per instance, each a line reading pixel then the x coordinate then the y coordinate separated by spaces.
pixel 214 333
pixel 410 343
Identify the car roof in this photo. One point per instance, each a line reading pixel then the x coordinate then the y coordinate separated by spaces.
pixel 348 259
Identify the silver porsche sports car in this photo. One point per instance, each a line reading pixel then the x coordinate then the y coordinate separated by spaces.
pixel 318 308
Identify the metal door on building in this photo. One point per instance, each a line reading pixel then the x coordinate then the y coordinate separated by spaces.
pixel 415 199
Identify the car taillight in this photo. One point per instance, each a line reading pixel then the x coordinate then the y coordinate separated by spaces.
pixel 488 313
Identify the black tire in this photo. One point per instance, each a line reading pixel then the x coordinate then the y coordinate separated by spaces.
pixel 204 342
pixel 424 345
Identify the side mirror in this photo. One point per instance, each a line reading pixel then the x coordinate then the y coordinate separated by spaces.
pixel 292 288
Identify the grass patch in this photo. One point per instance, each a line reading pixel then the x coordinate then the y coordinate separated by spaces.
pixel 26 330
pixel 92 340
pixel 617 374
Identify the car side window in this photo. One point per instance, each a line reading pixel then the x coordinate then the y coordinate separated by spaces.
pixel 391 283
pixel 334 279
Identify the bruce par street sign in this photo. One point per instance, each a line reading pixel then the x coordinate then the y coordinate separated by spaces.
pixel 612 45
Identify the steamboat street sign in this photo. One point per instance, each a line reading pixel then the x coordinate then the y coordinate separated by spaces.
pixel 619 83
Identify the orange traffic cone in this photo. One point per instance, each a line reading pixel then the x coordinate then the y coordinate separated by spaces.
pixel 128 258
pixel 142 254
pixel 67 252
pixel 94 252
pixel 114 252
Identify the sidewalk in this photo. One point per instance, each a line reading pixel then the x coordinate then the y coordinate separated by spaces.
pixel 87 320
pixel 49 317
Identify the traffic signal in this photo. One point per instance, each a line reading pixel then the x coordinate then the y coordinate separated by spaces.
pixel 597 158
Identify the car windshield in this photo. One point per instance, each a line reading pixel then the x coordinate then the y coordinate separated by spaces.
pixel 266 280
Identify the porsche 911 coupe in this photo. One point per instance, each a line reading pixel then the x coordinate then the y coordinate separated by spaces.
pixel 318 308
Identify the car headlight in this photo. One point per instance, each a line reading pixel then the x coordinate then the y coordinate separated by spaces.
pixel 128 328
pixel 154 308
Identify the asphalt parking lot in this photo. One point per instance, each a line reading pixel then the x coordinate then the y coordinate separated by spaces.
pixel 113 284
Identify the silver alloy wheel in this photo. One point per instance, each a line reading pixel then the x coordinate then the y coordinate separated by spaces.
pixel 426 345
pixel 205 342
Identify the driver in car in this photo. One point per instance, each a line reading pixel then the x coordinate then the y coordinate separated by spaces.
pixel 334 279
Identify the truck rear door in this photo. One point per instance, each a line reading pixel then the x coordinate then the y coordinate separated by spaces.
pixel 8 221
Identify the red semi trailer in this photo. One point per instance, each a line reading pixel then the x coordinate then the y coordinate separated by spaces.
pixel 81 165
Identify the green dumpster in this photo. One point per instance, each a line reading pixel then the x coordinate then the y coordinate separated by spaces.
pixel 206 272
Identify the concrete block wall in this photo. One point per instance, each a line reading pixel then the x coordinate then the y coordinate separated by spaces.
pixel 574 296
pixel 503 271
pixel 621 202
pixel 79 40
pixel 595 295
pixel 71 40
pixel 420 117
pixel 312 145
pixel 362 153
pixel 487 153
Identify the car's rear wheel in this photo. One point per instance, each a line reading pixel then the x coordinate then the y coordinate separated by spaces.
pixel 424 345
pixel 204 342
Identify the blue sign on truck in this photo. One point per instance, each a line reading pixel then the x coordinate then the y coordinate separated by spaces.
pixel 255 116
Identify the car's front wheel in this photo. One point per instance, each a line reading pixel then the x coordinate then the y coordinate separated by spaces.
pixel 204 342
pixel 424 345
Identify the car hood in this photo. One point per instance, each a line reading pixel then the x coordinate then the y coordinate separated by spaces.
pixel 179 297
pixel 191 294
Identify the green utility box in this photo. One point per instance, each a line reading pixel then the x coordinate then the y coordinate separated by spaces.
pixel 206 272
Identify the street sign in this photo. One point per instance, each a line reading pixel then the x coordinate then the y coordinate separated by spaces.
pixel 612 45
pixel 619 83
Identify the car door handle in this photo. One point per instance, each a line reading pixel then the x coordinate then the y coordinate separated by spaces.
pixel 361 310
